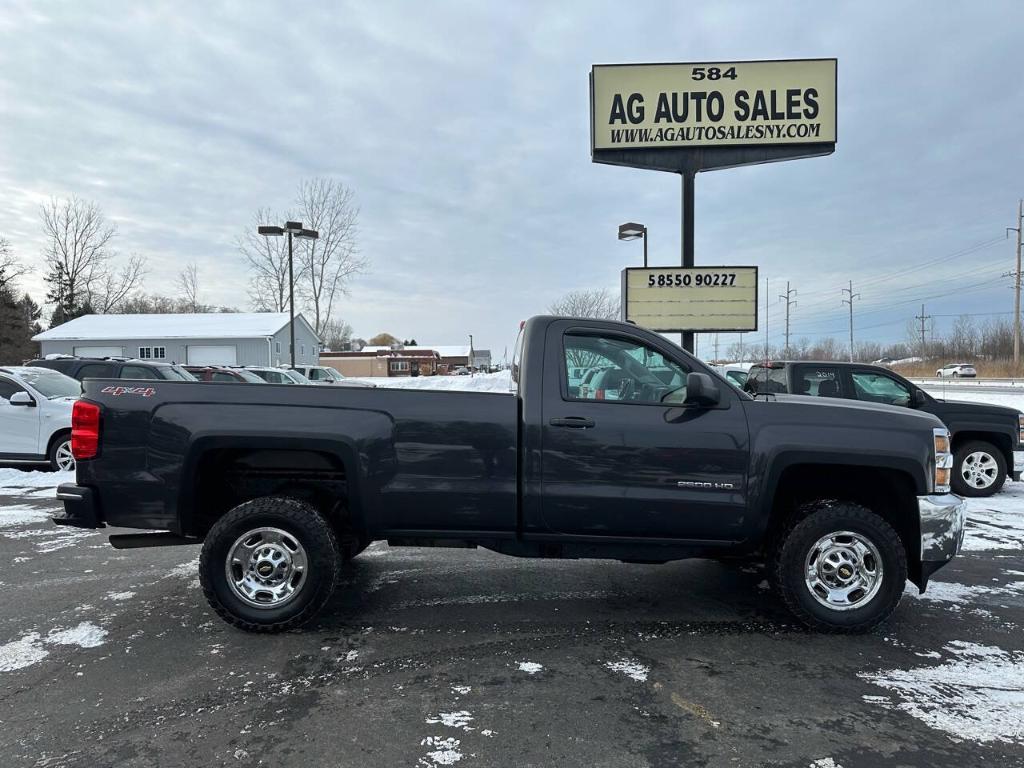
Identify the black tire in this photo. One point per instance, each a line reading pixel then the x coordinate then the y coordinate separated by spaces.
pixel 965 488
pixel 298 519
pixel 796 543
pixel 956 375
pixel 60 443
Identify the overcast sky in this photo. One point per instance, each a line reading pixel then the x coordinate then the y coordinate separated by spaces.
pixel 463 129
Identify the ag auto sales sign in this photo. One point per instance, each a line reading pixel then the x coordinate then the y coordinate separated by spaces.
pixel 731 103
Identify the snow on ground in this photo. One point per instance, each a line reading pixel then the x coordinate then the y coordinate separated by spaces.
pixel 481 382
pixel 993 398
pixel 977 694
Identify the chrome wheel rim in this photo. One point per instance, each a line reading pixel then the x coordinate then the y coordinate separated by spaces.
pixel 266 567
pixel 63 457
pixel 843 571
pixel 979 469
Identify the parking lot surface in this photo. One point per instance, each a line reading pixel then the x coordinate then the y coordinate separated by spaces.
pixel 463 657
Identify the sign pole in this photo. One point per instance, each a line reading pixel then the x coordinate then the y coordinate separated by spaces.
pixel 687 337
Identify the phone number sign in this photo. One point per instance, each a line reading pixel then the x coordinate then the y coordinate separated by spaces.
pixel 704 299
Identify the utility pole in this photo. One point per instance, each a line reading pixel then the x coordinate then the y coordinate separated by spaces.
pixel 849 301
pixel 788 298
pixel 716 347
pixel 1016 284
pixel 766 319
pixel 922 317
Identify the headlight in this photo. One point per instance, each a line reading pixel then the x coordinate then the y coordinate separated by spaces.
pixel 943 460
pixel 1020 428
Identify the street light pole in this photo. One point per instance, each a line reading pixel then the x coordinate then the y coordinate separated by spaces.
pixel 291 228
pixel 291 300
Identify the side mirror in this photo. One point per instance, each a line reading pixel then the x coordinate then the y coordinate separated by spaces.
pixel 917 398
pixel 701 390
pixel 23 398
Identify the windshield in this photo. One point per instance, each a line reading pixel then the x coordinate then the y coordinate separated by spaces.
pixel 51 384
pixel 295 376
pixel 249 376
pixel 330 373
pixel 176 373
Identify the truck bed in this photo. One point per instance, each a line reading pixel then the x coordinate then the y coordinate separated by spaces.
pixel 415 460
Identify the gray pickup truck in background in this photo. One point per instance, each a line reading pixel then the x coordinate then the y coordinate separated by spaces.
pixel 655 458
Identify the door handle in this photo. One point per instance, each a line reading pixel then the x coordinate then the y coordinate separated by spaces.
pixel 574 422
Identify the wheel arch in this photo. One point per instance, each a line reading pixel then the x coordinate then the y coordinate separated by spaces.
pixel 322 471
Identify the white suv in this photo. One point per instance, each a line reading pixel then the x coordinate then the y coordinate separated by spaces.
pixel 324 374
pixel 35 416
pixel 957 371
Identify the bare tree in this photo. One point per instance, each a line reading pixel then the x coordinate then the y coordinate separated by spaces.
pixel 115 286
pixel 78 256
pixel 77 248
pixel 267 259
pixel 326 265
pixel 337 334
pixel 598 303
pixel 10 268
pixel 188 285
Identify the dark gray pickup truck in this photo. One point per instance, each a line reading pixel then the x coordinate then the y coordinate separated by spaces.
pixel 655 458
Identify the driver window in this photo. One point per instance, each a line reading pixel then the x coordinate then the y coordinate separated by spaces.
pixel 878 388
pixel 8 388
pixel 611 368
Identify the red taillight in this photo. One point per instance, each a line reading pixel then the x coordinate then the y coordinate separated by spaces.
pixel 85 430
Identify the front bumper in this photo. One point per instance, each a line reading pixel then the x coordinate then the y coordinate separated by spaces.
pixel 943 519
pixel 1018 464
pixel 80 507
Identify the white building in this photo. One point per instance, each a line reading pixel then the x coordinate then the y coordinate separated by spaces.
pixel 216 338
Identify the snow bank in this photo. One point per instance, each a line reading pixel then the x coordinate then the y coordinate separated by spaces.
pixel 482 382
pixel 18 478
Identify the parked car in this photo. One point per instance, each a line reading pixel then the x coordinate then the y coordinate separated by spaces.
pixel 957 371
pixel 223 373
pixel 277 375
pixel 734 374
pixel 35 417
pixel 846 500
pixel 325 375
pixel 82 368
pixel 988 440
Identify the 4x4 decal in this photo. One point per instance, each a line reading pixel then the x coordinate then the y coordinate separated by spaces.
pixel 117 391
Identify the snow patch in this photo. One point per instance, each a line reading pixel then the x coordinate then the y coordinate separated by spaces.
pixel 127 595
pixel 825 762
pixel 22 514
pixel 530 667
pixel 461 690
pixel 445 752
pixel 978 696
pixel 184 570
pixel 461 719
pixel 85 635
pixel 21 653
pixel 630 668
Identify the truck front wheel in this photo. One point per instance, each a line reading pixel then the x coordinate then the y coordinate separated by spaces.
pixel 840 568
pixel 979 469
pixel 269 564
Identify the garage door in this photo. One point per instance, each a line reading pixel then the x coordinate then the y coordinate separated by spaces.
pixel 212 355
pixel 99 351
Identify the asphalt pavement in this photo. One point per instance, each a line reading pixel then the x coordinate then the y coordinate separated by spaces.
pixel 433 657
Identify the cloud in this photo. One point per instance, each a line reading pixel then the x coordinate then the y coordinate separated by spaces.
pixel 464 131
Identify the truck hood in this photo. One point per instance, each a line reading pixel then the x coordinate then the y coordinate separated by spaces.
pixel 879 413
pixel 990 410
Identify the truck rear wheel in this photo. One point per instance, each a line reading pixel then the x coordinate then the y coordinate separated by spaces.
pixel 979 469
pixel 269 564
pixel 840 568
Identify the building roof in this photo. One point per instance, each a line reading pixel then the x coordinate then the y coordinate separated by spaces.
pixel 444 351
pixel 211 325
